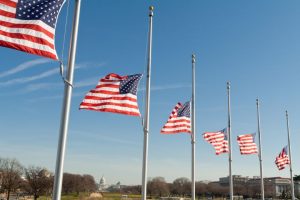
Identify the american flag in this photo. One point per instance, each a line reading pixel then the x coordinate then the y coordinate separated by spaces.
pixel 114 93
pixel 179 120
pixel 282 159
pixel 29 25
pixel 247 144
pixel 218 139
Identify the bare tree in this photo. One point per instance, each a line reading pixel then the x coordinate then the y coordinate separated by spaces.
pixel 71 183
pixel 135 189
pixel 200 189
pixel 158 187
pixel 39 181
pixel 181 186
pixel 240 189
pixel 89 183
pixel 11 172
pixel 215 189
pixel 256 191
pixel 67 185
pixel 78 183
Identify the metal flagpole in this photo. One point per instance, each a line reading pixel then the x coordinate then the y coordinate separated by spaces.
pixel 66 107
pixel 193 136
pixel 147 109
pixel 260 150
pixel 229 143
pixel 290 155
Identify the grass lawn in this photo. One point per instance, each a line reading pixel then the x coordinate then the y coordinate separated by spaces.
pixel 82 196
pixel 113 196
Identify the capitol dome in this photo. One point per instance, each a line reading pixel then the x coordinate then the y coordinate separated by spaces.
pixel 102 181
pixel 102 184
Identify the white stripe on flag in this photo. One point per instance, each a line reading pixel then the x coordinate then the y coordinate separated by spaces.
pixel 29 22
pixel 36 34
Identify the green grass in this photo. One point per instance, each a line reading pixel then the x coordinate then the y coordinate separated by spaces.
pixel 82 196
pixel 113 196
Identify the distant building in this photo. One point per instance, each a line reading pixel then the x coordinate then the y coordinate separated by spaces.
pixel 115 187
pixel 237 180
pixel 104 187
pixel 278 185
pixel 297 188
pixel 274 186
pixel 205 181
pixel 102 184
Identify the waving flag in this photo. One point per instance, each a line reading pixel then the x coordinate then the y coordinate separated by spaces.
pixel 29 25
pixel 179 120
pixel 282 159
pixel 114 93
pixel 218 139
pixel 247 144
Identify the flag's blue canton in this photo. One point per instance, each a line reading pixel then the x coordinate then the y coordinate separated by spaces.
pixel 285 150
pixel 225 133
pixel 253 136
pixel 44 10
pixel 185 110
pixel 130 84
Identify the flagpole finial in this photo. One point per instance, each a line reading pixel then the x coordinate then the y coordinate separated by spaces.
pixel 193 58
pixel 151 8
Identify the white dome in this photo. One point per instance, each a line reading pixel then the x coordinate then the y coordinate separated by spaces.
pixel 102 181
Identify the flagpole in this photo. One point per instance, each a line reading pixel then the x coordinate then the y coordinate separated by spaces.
pixel 64 124
pixel 147 109
pixel 260 150
pixel 193 136
pixel 290 155
pixel 229 143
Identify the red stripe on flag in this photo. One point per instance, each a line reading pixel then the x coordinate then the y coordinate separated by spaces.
pixel 104 92
pixel 176 126
pixel 114 111
pixel 109 104
pixel 27 49
pixel 7 14
pixel 110 98
pixel 113 78
pixel 176 131
pixel 180 120
pixel 8 3
pixel 27 37
pixel 107 86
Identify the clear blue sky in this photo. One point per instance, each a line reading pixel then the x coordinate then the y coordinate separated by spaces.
pixel 254 44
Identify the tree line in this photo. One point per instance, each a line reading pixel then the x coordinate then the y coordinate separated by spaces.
pixel 158 187
pixel 37 181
